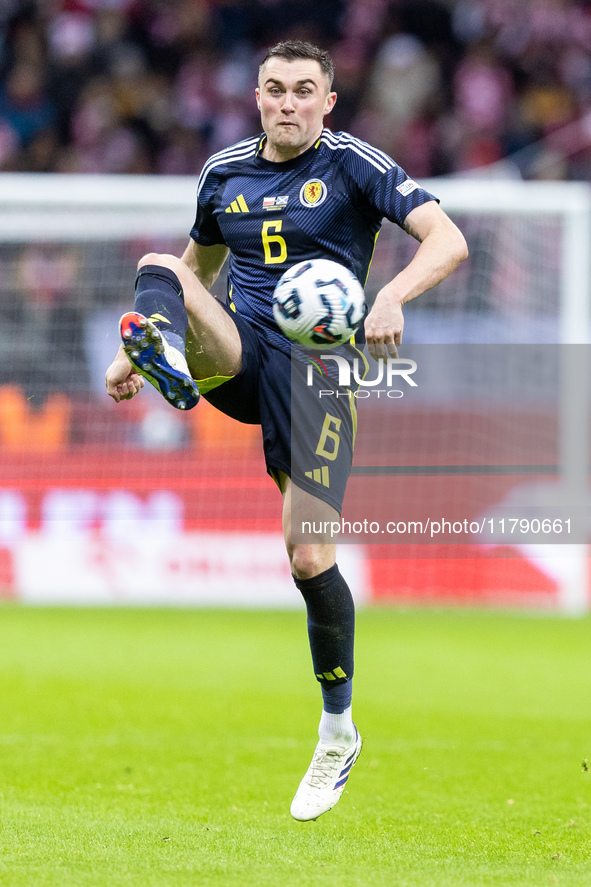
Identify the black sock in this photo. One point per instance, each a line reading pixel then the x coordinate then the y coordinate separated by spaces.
pixel 331 630
pixel 159 297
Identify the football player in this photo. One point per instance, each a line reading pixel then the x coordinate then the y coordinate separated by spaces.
pixel 297 191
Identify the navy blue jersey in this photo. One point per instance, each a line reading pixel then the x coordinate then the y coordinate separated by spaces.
pixel 327 203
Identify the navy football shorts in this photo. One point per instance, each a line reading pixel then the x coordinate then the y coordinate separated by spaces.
pixel 308 431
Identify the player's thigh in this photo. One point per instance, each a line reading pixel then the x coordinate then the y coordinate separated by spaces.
pixel 308 559
pixel 213 345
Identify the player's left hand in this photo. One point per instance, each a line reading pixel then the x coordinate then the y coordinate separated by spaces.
pixel 121 380
pixel 383 327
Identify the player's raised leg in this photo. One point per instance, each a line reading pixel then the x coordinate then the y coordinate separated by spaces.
pixel 177 335
pixel 152 355
pixel 331 631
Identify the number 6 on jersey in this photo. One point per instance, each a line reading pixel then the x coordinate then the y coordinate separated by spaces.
pixel 271 256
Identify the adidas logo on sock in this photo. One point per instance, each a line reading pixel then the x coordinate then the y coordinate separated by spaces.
pixel 332 675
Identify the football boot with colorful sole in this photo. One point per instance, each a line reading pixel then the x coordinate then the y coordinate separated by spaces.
pixel 157 361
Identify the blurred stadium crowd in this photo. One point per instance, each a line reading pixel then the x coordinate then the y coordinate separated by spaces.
pixel 155 86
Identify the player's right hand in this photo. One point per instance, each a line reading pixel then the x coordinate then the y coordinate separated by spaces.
pixel 121 380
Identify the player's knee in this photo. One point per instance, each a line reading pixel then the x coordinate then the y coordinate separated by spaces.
pixel 308 561
pixel 163 259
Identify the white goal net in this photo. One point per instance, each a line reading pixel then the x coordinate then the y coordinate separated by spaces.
pixel 73 465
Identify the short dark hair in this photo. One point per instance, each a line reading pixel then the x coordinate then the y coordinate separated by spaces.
pixel 290 50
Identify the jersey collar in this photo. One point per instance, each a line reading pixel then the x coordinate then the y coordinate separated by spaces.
pixel 281 165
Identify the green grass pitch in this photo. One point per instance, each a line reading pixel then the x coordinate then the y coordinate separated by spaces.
pixel 157 748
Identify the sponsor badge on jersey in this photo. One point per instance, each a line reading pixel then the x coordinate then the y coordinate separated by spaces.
pixel 313 193
pixel 407 187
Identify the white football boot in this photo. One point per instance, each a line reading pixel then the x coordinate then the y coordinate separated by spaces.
pixel 325 780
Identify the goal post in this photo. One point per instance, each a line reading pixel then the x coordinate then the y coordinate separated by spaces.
pixel 60 208
pixel 539 243
pixel 571 202
pixel 72 241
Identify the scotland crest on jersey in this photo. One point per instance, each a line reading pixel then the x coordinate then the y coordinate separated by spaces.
pixel 327 203
pixel 313 193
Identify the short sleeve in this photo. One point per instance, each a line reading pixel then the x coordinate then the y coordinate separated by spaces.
pixel 394 194
pixel 206 230
pixel 380 188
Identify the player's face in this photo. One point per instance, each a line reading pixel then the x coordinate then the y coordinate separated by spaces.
pixel 293 99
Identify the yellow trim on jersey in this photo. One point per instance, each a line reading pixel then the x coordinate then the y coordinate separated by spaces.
pixel 352 339
pixel 353 408
pixel 375 240
pixel 232 305
pixel 352 400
